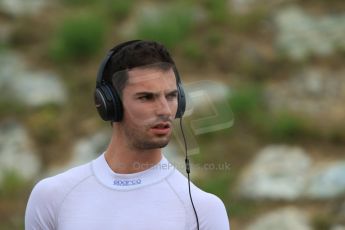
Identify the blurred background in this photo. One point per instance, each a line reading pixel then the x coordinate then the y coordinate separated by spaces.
pixel 281 165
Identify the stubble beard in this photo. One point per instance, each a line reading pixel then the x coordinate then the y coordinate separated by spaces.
pixel 138 139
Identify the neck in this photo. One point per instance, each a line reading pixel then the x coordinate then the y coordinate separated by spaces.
pixel 125 159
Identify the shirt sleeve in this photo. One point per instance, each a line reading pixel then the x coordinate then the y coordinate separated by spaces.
pixel 212 214
pixel 40 210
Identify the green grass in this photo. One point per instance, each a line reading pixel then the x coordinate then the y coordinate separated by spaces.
pixel 119 9
pixel 214 37
pixel 19 224
pixel 241 208
pixel 14 192
pixel 247 22
pixel 79 2
pixel 248 107
pixel 171 25
pixel 12 108
pixel 116 9
pixel 78 37
pixel 246 101
pixel 285 126
pixel 12 185
pixel 44 124
pixel 322 222
pixel 193 51
pixel 218 10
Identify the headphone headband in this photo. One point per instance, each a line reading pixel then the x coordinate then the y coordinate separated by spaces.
pixel 107 59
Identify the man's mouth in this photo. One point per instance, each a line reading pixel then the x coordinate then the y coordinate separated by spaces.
pixel 162 125
pixel 161 128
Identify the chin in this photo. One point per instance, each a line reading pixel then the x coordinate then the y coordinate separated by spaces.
pixel 152 144
pixel 162 145
pixel 159 144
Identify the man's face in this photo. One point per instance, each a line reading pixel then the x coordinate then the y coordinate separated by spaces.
pixel 150 104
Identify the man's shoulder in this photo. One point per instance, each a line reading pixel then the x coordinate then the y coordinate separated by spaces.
pixel 48 195
pixel 63 182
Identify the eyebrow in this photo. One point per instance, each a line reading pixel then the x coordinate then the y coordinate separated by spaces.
pixel 175 91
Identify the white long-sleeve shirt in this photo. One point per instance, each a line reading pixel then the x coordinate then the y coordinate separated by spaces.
pixel 93 197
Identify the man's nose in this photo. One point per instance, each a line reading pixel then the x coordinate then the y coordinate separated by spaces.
pixel 163 107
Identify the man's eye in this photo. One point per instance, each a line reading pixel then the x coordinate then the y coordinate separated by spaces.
pixel 145 97
pixel 171 96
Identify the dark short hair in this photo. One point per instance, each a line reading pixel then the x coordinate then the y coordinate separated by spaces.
pixel 140 53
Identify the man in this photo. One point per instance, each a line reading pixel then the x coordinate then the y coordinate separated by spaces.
pixel 131 185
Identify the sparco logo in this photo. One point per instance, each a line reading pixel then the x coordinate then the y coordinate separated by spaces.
pixel 127 182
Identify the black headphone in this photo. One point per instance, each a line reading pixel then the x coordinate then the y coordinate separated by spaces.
pixel 107 99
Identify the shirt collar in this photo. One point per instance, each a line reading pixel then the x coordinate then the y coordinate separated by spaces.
pixel 119 181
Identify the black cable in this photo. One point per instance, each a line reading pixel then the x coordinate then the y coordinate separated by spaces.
pixel 188 171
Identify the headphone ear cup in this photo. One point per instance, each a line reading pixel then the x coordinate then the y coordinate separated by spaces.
pixel 117 104
pixel 102 105
pixel 181 101
pixel 108 103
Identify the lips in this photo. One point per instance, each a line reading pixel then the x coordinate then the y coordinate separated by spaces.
pixel 162 125
pixel 161 128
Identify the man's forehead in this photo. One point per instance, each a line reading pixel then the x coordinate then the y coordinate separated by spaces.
pixel 141 75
